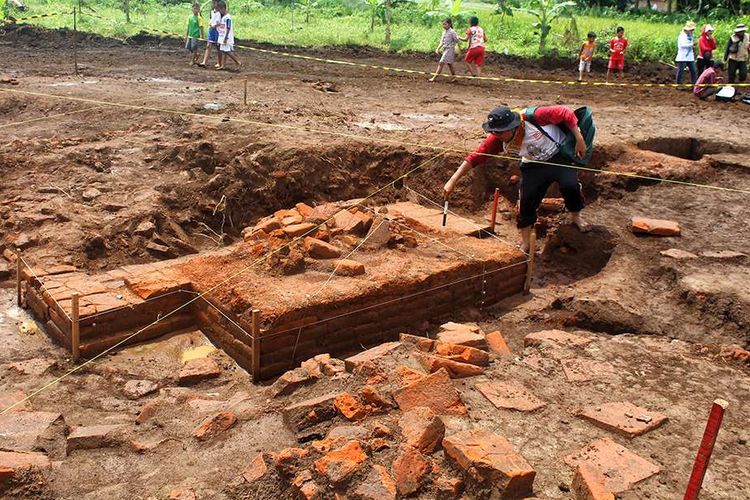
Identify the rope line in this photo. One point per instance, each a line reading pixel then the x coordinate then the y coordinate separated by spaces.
pixel 367 138
pixel 210 290
pixel 24 122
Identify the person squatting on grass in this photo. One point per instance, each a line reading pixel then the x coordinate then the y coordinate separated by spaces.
pixel 737 54
pixel 706 47
pixel 617 46
pixel 226 37
pixel 685 52
pixel 477 38
pixel 536 144
pixel 701 89
pixel 213 32
pixel 448 44
pixel 586 54
pixel 194 33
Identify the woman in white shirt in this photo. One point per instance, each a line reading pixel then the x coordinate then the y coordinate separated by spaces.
pixel 685 53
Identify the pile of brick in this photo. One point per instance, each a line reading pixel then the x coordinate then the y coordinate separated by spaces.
pixel 402 427
pixel 319 237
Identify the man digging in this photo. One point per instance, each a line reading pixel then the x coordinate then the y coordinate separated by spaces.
pixel 538 137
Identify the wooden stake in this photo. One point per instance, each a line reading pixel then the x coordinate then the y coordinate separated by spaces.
pixel 256 345
pixel 75 41
pixel 493 215
pixel 530 265
pixel 245 99
pixel 75 334
pixel 706 448
pixel 19 268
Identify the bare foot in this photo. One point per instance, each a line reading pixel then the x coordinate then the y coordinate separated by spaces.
pixel 581 224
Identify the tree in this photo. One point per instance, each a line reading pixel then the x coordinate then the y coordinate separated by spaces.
pixel 546 11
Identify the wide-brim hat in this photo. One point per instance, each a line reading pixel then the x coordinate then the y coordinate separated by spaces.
pixel 500 119
pixel 740 27
pixel 689 26
pixel 708 28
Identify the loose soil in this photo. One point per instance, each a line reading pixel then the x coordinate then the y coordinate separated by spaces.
pixel 76 188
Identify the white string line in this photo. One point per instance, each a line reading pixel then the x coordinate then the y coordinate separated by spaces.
pixel 390 301
pixel 210 290
pixel 482 230
pixel 60 115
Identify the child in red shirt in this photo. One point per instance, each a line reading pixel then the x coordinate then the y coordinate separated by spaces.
pixel 475 55
pixel 617 46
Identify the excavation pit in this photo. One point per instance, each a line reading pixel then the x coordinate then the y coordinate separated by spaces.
pixel 407 271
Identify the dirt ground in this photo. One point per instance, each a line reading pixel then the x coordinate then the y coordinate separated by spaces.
pixel 78 188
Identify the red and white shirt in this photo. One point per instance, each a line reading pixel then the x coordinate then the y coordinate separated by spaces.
pixel 475 34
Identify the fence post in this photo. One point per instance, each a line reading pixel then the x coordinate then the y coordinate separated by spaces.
pixel 256 345
pixel 75 41
pixel 75 334
pixel 530 265
pixel 245 97
pixel 19 268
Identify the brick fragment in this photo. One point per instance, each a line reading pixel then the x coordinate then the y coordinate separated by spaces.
pixel 656 227
pixel 462 354
pixel 306 487
pixel 267 225
pixel 448 488
pixel 422 343
pixel 434 391
pixel 94 436
pixel 374 400
pixel 491 461
pixel 339 465
pixel 553 204
pixel 257 468
pixel 377 485
pixel 409 470
pixel 349 407
pixel 197 370
pixel 287 460
pixel 308 413
pixel 318 249
pixel 289 382
pixel 454 368
pixel 349 267
pixel 678 254
pixel 214 425
pixel 349 222
pixel 588 484
pixel 9 398
pixel 497 344
pixel 622 468
pixel 554 338
pixel 422 429
pixel 624 418
pixel 510 395
pixel 297 230
pixel 462 334
pixel 406 375
pixel 135 389
pixel 370 355
pixel 182 494
pixel 13 464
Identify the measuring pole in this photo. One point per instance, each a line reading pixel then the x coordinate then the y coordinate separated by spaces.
pixel 706 448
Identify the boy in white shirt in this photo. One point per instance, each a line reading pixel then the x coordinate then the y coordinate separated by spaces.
pixel 226 37
pixel 213 32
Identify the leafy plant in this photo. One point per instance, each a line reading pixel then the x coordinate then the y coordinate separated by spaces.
pixel 306 6
pixel 546 11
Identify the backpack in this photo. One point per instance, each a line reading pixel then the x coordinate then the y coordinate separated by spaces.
pixel 568 147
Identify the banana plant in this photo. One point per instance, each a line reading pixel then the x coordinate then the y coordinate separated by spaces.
pixel 546 11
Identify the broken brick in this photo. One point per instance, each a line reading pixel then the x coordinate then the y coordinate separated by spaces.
pixel 95 436
pixel 422 429
pixel 16 463
pixel 267 225
pixel 406 375
pixel 622 468
pixel 656 227
pixel 340 464
pixel 215 424
pixel 510 395
pixel 297 230
pixel 198 369
pixel 624 418
pixel 257 469
pixel 286 461
pixel 678 254
pixel 32 430
pixel 374 399
pixel 135 389
pixel 348 267
pixel 349 407
pixel 409 470
pixel 588 484
pixel 289 382
pixel 463 354
pixel 497 343
pixel 300 416
pixel 10 398
pixel 182 494
pixel 557 338
pixel 491 461
pixel 434 391
pixel 377 485
pixel 553 204
pixel 448 488
pixel 462 334
pixel 305 486
pixel 318 249
pixel 422 343
pixel 454 368
pixel 349 222
pixel 372 354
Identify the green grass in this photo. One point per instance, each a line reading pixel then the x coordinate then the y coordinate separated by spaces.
pixel 342 24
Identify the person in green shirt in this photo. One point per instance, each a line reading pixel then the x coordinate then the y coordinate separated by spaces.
pixel 194 32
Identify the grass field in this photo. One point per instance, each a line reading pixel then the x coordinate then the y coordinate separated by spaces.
pixel 342 23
